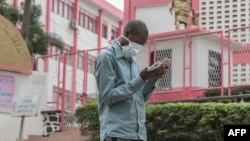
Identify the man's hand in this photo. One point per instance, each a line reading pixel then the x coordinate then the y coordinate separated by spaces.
pixel 157 73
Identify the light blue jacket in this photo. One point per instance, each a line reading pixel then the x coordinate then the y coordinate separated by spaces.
pixel 122 93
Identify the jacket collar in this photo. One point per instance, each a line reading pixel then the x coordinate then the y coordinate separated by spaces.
pixel 118 50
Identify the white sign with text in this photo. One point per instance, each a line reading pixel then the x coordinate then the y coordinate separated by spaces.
pixel 25 106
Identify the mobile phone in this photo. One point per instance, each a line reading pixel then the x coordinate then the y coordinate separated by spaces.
pixel 154 66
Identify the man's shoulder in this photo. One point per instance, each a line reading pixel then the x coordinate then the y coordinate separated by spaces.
pixel 107 52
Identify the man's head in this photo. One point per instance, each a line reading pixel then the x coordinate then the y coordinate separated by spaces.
pixel 136 31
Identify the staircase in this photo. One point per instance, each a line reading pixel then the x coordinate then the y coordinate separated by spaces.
pixel 59 136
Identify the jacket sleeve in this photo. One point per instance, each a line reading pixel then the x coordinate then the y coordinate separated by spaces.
pixel 148 88
pixel 105 76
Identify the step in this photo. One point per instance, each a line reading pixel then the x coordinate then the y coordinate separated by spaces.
pixel 59 136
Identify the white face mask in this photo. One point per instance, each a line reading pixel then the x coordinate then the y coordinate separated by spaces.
pixel 132 49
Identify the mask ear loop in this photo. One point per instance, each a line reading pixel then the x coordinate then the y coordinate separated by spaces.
pixel 125 38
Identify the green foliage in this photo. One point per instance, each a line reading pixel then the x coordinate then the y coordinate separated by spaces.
pixel 36 12
pixel 38 40
pixel 179 121
pixel 55 40
pixel 87 116
pixel 172 122
pixel 234 91
pixel 193 121
pixel 9 12
pixel 211 93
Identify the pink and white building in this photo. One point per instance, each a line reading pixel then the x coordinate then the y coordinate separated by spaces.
pixel 85 26
pixel 201 59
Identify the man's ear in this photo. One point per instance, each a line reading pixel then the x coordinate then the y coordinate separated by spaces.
pixel 126 32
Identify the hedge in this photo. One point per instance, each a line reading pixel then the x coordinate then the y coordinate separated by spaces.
pixel 234 91
pixel 180 121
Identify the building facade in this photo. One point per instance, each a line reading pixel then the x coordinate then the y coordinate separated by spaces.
pixel 82 25
pixel 230 14
pixel 85 26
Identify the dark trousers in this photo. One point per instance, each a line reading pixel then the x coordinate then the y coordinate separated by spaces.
pixel 119 139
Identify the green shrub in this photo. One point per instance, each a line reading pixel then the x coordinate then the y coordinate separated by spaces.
pixel 179 121
pixel 193 121
pixel 87 116
pixel 234 91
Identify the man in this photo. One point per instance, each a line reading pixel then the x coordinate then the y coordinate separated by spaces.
pixel 123 89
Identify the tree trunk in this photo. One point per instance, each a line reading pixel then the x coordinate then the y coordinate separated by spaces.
pixel 26 19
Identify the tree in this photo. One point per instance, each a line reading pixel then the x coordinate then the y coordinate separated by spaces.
pixel 9 12
pixel 37 40
pixel 26 19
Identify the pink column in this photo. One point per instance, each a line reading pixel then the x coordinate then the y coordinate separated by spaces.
pixel 75 47
pixel 99 32
pixel 120 28
pixel 127 11
pixel 196 4
pixel 16 3
pixel 47 30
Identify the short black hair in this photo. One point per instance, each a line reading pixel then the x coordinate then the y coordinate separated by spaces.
pixel 136 27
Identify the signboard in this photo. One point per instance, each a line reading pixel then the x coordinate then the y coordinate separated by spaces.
pixel 25 106
pixel 7 92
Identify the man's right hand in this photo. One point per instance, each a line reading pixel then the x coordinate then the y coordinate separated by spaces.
pixel 157 73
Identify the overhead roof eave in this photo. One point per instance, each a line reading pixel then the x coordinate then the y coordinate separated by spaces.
pixel 109 8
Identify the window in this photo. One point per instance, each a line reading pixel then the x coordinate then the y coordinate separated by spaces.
pixel 243 80
pixel 61 11
pixel 82 19
pixel 63 8
pixel 91 63
pixel 104 29
pixel 243 70
pixel 68 48
pixel 114 32
pixel 243 75
pixel 88 20
pixel 164 83
pixel 79 98
pixel 235 75
pixel 92 23
pixel 80 61
pixel 214 71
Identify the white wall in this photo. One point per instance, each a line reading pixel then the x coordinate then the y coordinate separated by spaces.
pixel 60 26
pixel 177 58
pixel 201 46
pixel 157 18
pixel 26 84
